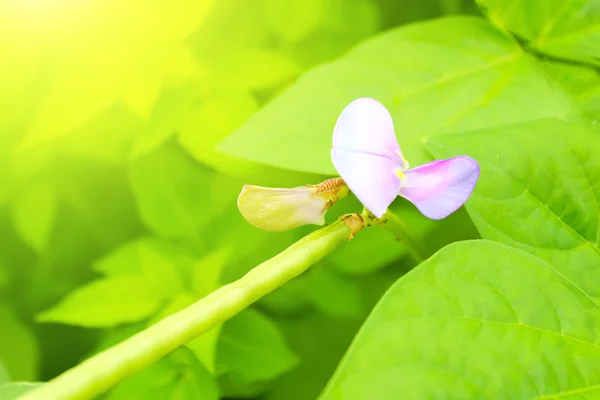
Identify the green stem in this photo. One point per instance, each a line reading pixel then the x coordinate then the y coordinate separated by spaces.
pixel 395 225
pixel 100 372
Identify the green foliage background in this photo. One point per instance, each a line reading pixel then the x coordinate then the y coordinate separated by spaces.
pixel 128 128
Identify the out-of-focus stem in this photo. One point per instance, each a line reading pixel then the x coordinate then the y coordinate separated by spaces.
pixel 100 372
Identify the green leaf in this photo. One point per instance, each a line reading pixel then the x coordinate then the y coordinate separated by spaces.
pixel 11 391
pixel 569 29
pixel 217 116
pixel 293 20
pixel 484 83
pixel 167 117
pixel 332 293
pixel 581 82
pixel 161 264
pixel 252 349
pixel 18 347
pixel 538 190
pixel 175 196
pixel 478 320
pixel 106 302
pixel 34 209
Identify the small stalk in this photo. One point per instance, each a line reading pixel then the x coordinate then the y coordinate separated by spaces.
pixel 392 223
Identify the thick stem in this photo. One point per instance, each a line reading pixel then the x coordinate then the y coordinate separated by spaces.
pixel 100 372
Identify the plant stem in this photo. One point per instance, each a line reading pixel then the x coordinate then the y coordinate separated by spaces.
pixel 100 372
pixel 395 225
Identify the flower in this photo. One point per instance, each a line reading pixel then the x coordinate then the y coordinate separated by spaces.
pixel 276 210
pixel 367 156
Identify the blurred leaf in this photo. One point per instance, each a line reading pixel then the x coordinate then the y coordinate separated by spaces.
pixel 236 23
pixel 34 207
pixel 368 252
pixel 100 196
pixel 320 342
pixel 471 322
pixel 75 95
pixel 538 191
pixel 332 293
pixel 178 376
pixel 217 116
pixel 105 303
pixel 206 273
pixel 289 298
pixel 175 196
pixel 10 391
pixel 105 137
pixel 18 347
pixel 166 119
pixel 581 82
pixel 205 279
pixel 293 20
pixel 569 29
pixel 252 69
pixel 3 375
pixel 158 262
pixel 376 248
pixel 484 82
pixel 343 23
pixel 252 349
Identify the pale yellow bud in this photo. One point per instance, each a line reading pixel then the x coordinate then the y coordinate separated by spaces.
pixel 276 210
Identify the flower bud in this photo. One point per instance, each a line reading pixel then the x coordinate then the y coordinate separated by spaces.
pixel 276 210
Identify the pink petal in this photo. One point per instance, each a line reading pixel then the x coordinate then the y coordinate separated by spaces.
pixel 366 126
pixel 370 177
pixel 439 188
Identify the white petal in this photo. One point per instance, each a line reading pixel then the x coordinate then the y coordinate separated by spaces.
pixel 370 177
pixel 366 126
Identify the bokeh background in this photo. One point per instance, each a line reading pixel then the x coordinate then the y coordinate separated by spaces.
pixel 117 210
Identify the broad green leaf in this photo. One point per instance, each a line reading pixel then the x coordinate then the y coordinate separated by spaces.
pixel 18 346
pixel 216 117
pixel 34 209
pixel 581 82
pixel 538 190
pixel 161 264
pixel 485 82
pixel 11 391
pixel 106 302
pixel 569 29
pixel 478 320
pixel 252 349
pixel 175 196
